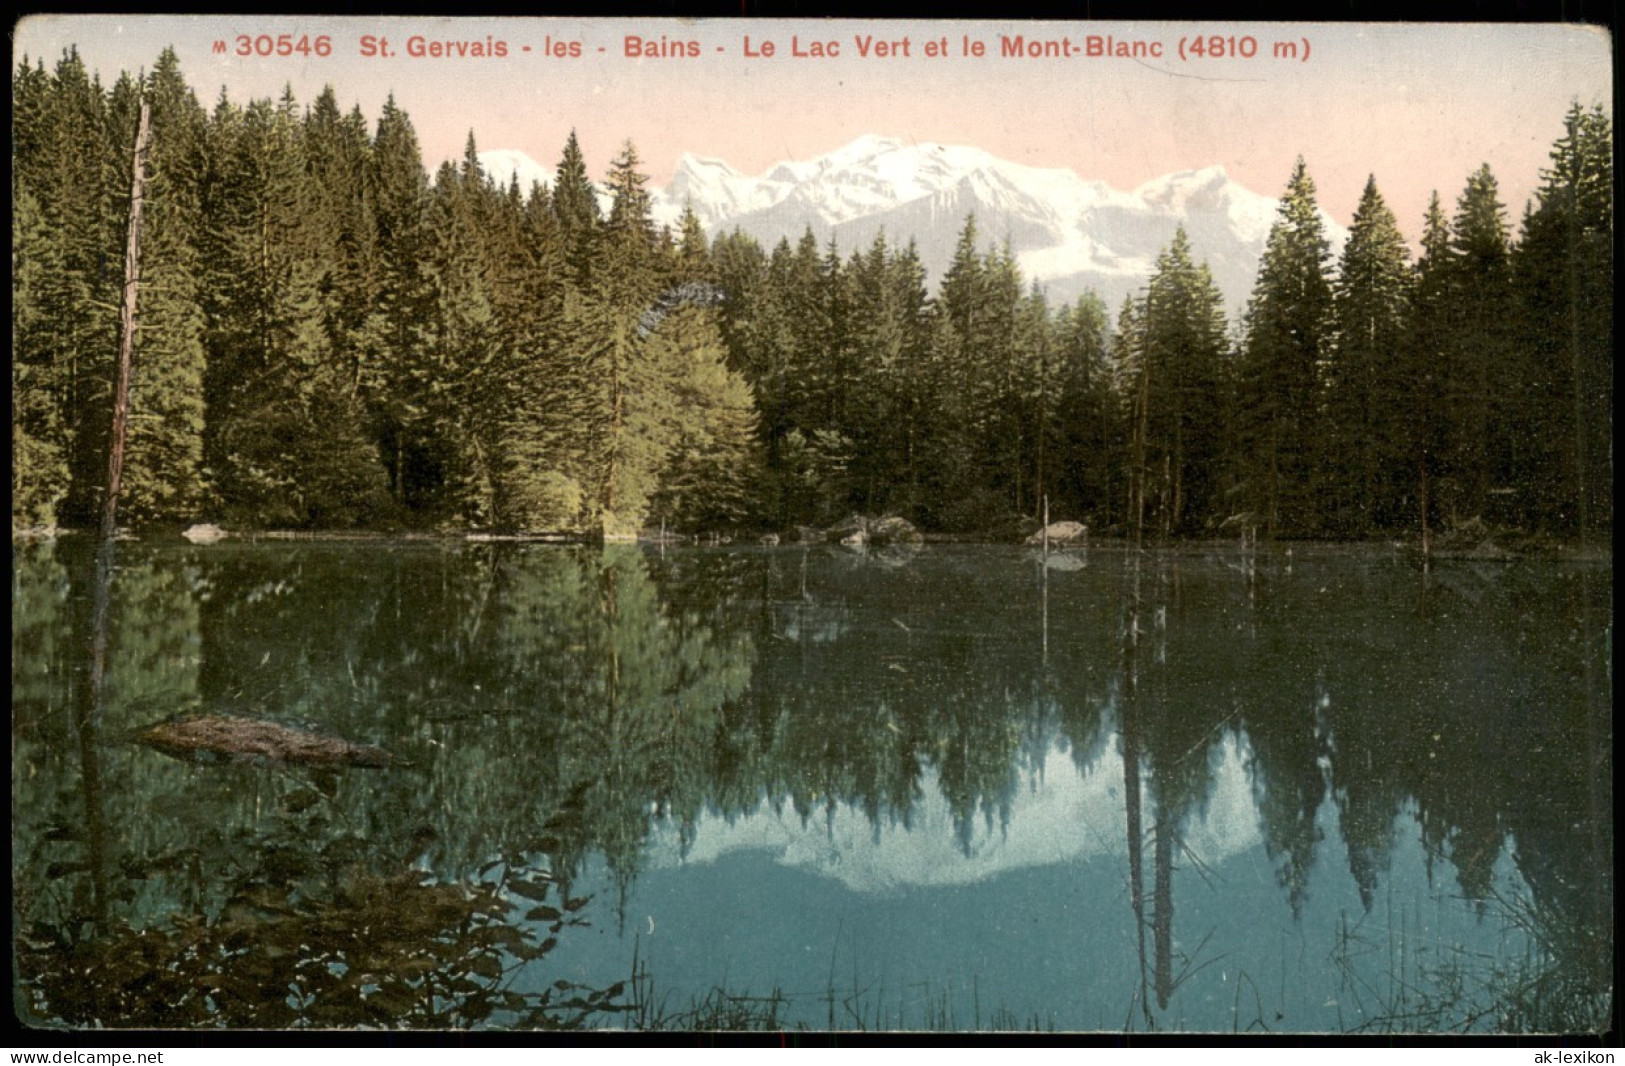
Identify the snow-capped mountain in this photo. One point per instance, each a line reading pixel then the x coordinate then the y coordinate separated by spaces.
pixel 501 164
pixel 1069 233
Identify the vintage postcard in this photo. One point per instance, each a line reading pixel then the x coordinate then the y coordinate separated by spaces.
pixel 660 525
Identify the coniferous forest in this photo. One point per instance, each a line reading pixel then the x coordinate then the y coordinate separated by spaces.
pixel 330 338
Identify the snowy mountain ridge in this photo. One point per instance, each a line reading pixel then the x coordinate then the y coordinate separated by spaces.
pixel 1068 233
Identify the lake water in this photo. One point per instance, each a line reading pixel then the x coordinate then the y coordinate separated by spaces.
pixel 941 788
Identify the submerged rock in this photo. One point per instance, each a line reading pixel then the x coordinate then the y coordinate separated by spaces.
pixel 896 556
pixel 1475 541
pixel 1064 562
pixel 256 738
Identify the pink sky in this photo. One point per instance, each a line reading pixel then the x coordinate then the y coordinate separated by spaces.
pixel 1421 106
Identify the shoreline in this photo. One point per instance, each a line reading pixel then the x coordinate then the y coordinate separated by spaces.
pixel 1595 549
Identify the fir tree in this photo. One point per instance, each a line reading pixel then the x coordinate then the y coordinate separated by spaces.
pixel 971 386
pixel 1035 380
pixel 1564 278
pixel 622 396
pixel 1131 389
pixel 460 380
pixel 692 261
pixel 39 436
pixel 163 471
pixel 393 337
pixel 805 287
pixel 529 436
pixel 1084 434
pixel 1431 329
pixel 709 466
pixel 1481 382
pixel 1370 376
pixel 575 206
pixel 1001 381
pixel 1287 341
pixel 66 160
pixel 278 426
pixel 337 148
pixel 41 426
pixel 1183 343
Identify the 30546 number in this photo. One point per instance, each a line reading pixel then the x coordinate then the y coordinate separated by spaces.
pixel 284 44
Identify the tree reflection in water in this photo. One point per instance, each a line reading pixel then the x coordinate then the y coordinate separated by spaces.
pixel 328 936
pixel 560 706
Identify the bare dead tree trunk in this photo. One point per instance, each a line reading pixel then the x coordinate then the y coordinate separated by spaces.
pixel 126 345
pixel 1134 814
pixel 90 699
pixel 1141 429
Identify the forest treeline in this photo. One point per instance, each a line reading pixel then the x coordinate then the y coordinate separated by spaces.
pixel 329 337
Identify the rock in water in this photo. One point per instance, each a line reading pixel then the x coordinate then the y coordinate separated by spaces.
pixel 861 529
pixel 1062 534
pixel 842 532
pixel 204 533
pixel 893 529
pixel 256 738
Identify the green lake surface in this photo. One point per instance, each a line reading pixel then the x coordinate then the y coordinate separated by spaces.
pixel 949 787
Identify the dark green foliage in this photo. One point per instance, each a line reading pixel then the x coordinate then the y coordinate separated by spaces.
pixel 1430 332
pixel 163 471
pixel 575 205
pixel 1373 444
pixel 1481 377
pixel 1288 339
pixel 318 929
pixel 710 463
pixel 1564 276
pixel 394 334
pixel 287 433
pixel 1081 430
pixel 328 338
pixel 1175 389
pixel 39 438
pixel 68 270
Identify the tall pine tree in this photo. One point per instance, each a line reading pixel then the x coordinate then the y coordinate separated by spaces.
pixel 1481 382
pixel 1430 334
pixel 1368 476
pixel 1183 328
pixel 1564 269
pixel 1287 339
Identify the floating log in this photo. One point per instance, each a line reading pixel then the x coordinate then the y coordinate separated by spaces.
pixel 255 738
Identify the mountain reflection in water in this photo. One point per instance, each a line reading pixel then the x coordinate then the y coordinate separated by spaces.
pixel 949 789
